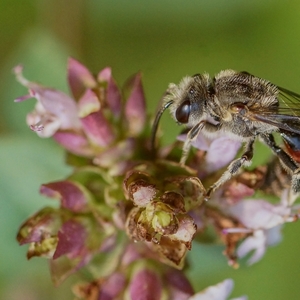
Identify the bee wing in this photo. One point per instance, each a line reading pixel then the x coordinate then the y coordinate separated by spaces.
pixel 284 122
pixel 286 116
pixel 289 102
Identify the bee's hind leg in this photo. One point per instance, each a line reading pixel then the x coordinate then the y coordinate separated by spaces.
pixel 296 181
pixel 234 167
pixel 287 162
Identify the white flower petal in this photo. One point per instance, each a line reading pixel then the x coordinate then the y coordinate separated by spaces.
pixel 259 214
pixel 219 291
pixel 221 152
pixel 274 235
pixel 256 243
pixel 45 125
pixel 59 104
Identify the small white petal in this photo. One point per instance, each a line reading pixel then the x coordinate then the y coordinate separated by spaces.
pixel 219 291
pixel 256 243
pixel 221 152
pixel 259 214
pixel 274 235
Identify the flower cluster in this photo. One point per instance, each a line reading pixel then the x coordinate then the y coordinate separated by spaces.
pixel 127 215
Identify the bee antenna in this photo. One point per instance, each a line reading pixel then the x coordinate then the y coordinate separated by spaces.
pixel 156 122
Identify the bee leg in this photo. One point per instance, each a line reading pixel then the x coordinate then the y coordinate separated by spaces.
pixel 296 181
pixel 192 135
pixel 287 161
pixel 233 168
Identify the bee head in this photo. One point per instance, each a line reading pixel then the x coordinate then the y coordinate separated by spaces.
pixel 189 98
pixel 185 100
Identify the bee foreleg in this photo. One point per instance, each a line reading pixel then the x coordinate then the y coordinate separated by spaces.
pixel 192 135
pixel 234 167
pixel 287 161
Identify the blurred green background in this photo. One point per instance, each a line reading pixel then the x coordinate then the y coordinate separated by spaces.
pixel 165 40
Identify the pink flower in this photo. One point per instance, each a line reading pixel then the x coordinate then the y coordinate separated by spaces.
pixel 219 152
pixel 145 284
pixel 72 195
pixel 54 109
pixel 127 216
pixel 84 125
pixel 135 106
pixel 40 231
pixel 260 214
pixel 79 78
pixel 71 239
pixel 264 220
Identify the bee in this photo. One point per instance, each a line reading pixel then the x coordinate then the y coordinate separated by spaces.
pixel 241 106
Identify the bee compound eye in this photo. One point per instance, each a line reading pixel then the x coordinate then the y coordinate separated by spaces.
pixel 183 112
